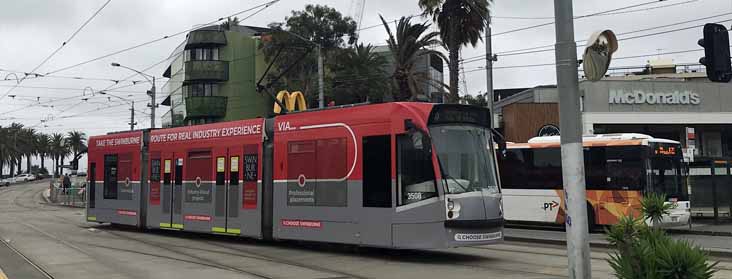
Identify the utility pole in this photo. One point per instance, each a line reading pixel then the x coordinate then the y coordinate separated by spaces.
pixel 321 95
pixel 489 58
pixel 153 104
pixel 132 116
pixel 573 171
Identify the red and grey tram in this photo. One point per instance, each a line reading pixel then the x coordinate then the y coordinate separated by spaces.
pixel 398 175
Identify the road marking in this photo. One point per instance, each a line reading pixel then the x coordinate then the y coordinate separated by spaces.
pixel 2 274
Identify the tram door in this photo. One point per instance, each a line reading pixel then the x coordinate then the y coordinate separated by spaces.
pixel 172 193
pixel 227 190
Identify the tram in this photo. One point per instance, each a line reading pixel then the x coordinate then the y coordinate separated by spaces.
pixel 395 175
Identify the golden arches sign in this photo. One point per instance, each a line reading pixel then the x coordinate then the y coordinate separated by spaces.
pixel 294 101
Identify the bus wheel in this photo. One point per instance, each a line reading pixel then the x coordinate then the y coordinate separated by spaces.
pixel 591 226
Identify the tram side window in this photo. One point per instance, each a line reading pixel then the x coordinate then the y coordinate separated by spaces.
pixel 416 176
pixel 376 171
pixel 110 177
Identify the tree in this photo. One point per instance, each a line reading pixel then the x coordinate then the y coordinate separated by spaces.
pixel 410 43
pixel 5 146
pixel 318 26
pixel 461 23
pixel 76 141
pixel 15 154
pixel 226 25
pixel 360 76
pixel 58 150
pixel 43 144
pixel 28 148
pixel 477 100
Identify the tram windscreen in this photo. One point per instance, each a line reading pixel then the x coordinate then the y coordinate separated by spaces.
pixel 465 157
pixel 666 171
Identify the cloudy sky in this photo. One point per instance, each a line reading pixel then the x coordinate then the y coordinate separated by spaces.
pixel 33 29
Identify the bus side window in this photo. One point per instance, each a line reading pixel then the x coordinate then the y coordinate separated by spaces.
pixel 416 176
pixel 376 167
pixel 110 177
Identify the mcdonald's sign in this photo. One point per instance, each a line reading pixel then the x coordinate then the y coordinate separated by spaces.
pixel 294 101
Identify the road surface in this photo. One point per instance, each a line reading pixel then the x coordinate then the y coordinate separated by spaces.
pixel 46 241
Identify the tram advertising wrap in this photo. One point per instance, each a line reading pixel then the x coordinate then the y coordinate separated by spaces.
pixel 397 175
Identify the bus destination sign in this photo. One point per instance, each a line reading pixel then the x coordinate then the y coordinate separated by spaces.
pixel 666 150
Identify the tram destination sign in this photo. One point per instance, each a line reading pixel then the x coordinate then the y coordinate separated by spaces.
pixel 638 97
pixel 450 114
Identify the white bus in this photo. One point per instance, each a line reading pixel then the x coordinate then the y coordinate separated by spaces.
pixel 619 169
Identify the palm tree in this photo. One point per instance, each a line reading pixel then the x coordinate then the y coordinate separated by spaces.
pixel 58 143
pixel 15 154
pixel 43 145
pixel 461 22
pixel 5 146
pixel 28 147
pixel 226 25
pixel 76 141
pixel 410 43
pixel 360 76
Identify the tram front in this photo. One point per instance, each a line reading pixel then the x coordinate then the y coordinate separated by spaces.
pixel 466 157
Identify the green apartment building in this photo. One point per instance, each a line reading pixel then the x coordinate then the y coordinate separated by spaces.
pixel 213 76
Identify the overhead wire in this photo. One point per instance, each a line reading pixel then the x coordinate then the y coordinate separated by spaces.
pixel 547 48
pixel 59 48
pixel 261 7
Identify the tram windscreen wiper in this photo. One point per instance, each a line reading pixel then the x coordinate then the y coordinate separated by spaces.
pixel 446 175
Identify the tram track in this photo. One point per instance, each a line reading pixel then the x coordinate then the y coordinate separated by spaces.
pixel 240 253
pixel 27 259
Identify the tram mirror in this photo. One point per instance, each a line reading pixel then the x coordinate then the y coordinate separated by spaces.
pixel 500 141
pixel 598 54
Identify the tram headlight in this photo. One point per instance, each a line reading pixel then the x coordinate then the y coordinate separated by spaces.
pixel 450 205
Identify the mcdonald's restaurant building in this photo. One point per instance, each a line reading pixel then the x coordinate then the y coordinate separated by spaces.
pixel 681 106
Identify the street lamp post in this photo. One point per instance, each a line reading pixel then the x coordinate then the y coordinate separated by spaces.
pixel 153 104
pixel 321 95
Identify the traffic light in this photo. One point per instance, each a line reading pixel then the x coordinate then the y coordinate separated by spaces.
pixel 716 52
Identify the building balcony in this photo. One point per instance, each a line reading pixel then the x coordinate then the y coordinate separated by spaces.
pixel 209 106
pixel 206 70
pixel 205 38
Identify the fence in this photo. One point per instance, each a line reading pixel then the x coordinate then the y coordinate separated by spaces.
pixel 710 189
pixel 74 196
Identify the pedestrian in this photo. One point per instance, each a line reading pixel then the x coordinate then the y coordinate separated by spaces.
pixel 66 183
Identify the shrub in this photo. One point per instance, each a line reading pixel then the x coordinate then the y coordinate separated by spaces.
pixel 649 253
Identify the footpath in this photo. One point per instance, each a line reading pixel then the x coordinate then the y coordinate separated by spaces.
pixel 716 239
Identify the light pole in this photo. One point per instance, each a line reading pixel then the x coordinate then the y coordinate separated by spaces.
pixel 573 170
pixel 132 108
pixel 153 104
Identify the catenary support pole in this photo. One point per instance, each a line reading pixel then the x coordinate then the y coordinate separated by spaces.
pixel 489 58
pixel 321 95
pixel 573 174
pixel 153 104
pixel 132 116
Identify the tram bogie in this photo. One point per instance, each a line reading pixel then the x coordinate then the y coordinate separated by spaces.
pixel 398 175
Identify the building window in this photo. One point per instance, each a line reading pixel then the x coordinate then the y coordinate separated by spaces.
pixel 201 90
pixel 201 54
